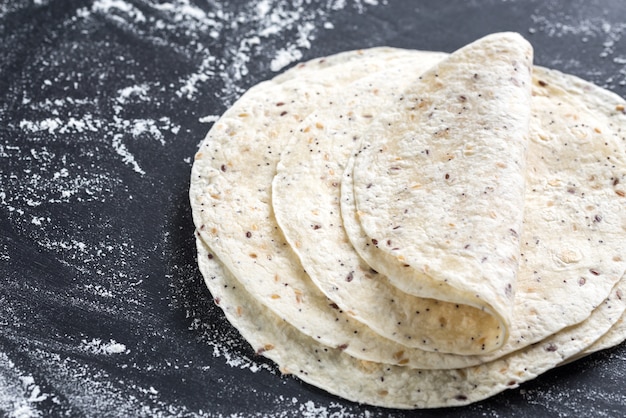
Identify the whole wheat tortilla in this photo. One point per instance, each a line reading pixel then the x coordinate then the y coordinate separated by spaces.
pixel 310 171
pixel 308 174
pixel 231 205
pixel 231 202
pixel 568 266
pixel 438 181
pixel 387 385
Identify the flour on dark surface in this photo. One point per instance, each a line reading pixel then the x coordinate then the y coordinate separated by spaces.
pixel 103 103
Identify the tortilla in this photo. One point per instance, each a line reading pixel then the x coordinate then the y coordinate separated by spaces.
pixel 559 266
pixel 306 327
pixel 231 202
pixel 424 175
pixel 310 173
pixel 304 175
pixel 432 324
pixel 386 385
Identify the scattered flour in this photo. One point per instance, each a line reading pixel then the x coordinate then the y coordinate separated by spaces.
pixel 609 34
pixel 4 252
pixel 114 122
pixel 97 346
pixel 19 392
pixel 209 119
pixel 285 57
pixel 278 29
pixel 139 91
pixel 72 150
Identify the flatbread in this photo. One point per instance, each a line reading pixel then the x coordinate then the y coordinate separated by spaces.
pixel 231 201
pixel 304 175
pixel 431 324
pixel 310 173
pixel 386 385
pixel 559 266
pixel 424 174
pixel 255 274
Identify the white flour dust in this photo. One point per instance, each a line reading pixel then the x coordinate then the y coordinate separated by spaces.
pixel 277 31
pixel 606 34
pixel 97 346
pixel 19 392
pixel 78 144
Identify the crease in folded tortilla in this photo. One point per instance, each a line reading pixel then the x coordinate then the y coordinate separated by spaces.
pixel 438 183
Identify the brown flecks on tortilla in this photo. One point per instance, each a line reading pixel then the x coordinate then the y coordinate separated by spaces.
pixel 266 347
pixel 551 347
pixel 508 291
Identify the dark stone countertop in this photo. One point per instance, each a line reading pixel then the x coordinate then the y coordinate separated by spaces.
pixel 102 106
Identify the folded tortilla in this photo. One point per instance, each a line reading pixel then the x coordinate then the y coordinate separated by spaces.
pixel 438 185
pixel 230 195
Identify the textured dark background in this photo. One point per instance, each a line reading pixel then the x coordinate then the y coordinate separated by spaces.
pixel 102 105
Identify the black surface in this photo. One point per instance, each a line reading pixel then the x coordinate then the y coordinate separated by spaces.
pixel 103 311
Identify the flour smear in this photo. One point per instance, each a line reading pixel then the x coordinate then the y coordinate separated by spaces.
pixel 84 114
pixel 596 30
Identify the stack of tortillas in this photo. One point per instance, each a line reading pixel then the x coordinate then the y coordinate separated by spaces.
pixel 414 229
